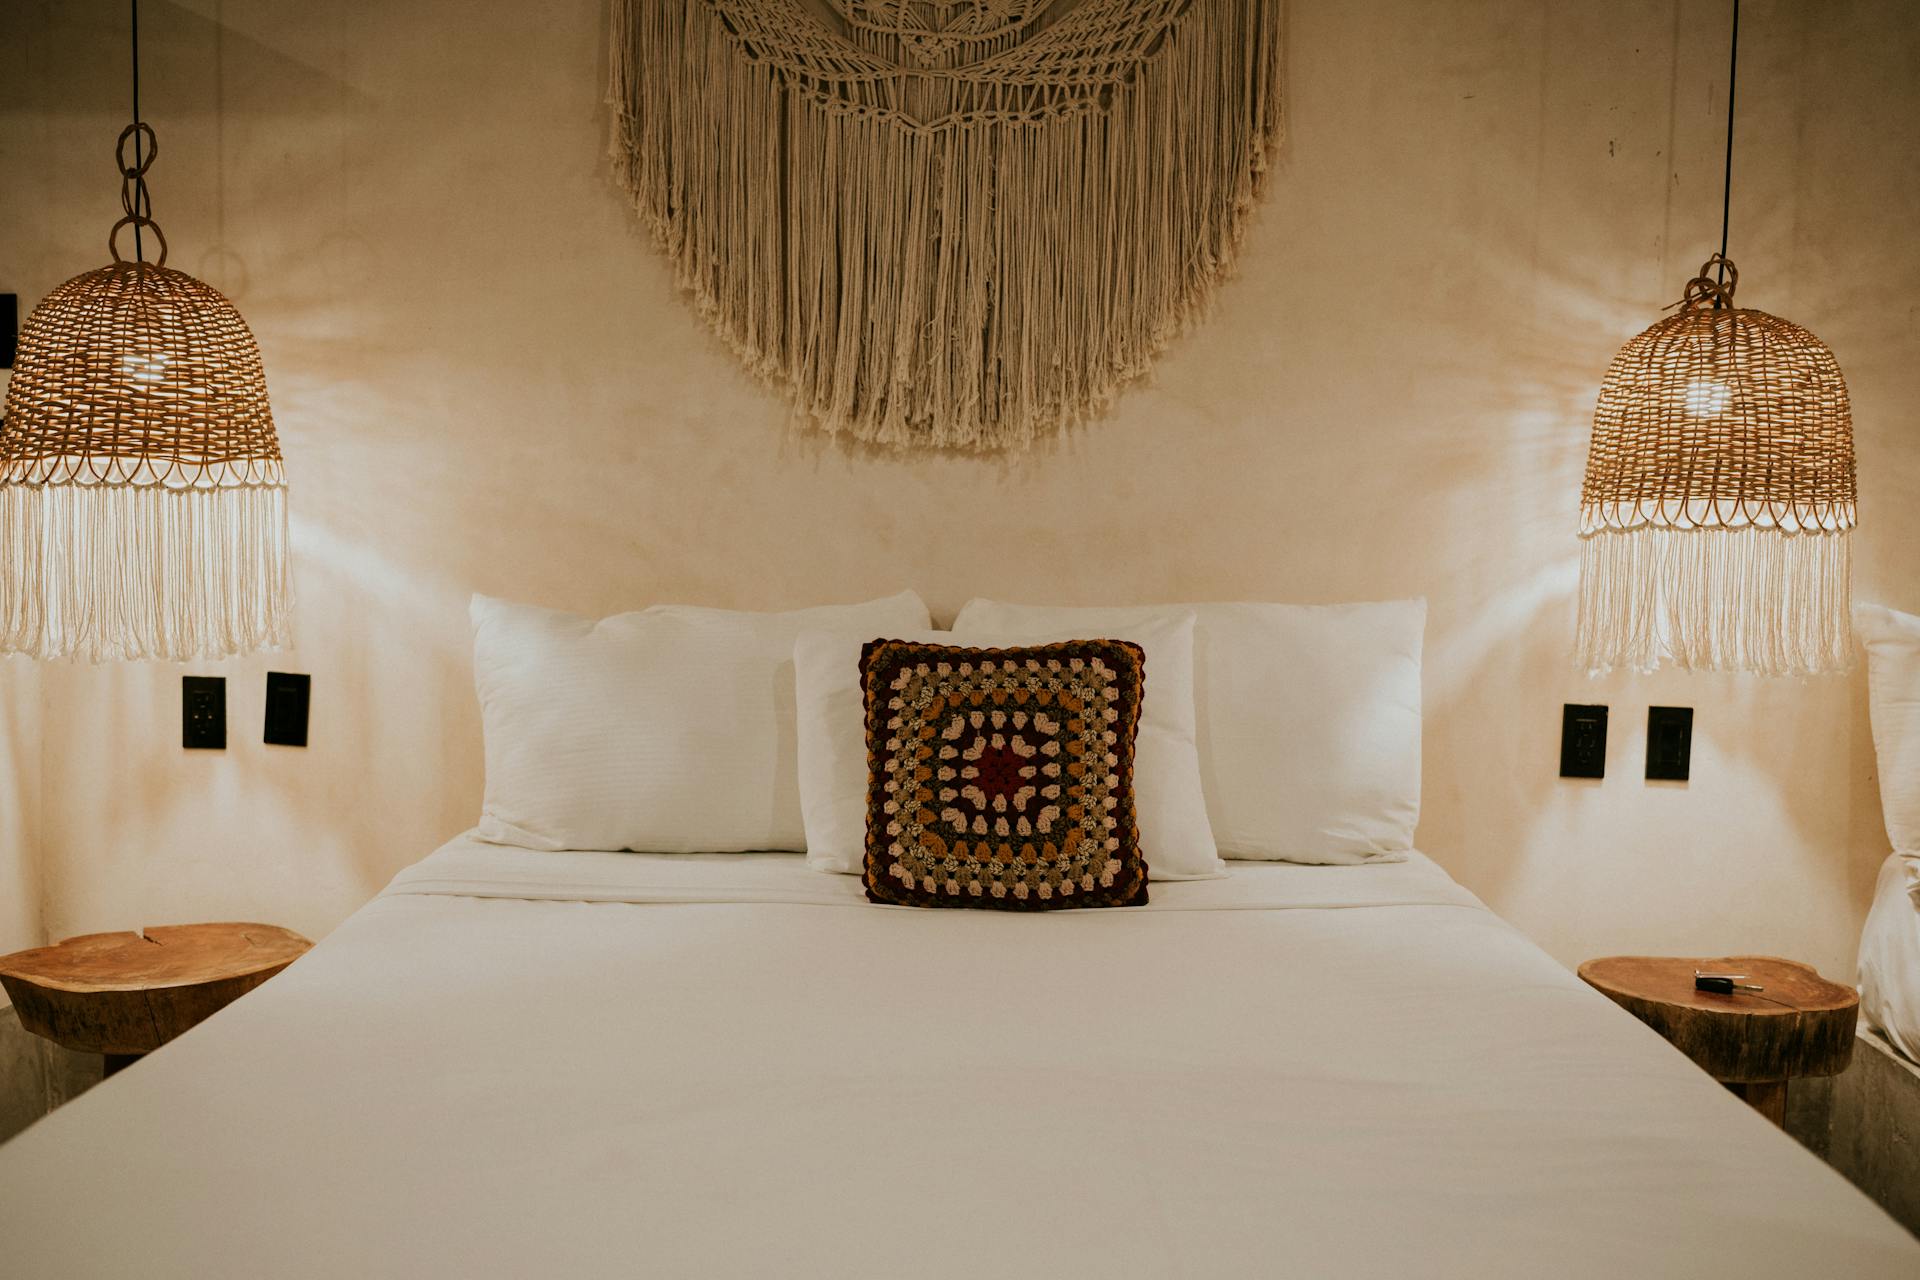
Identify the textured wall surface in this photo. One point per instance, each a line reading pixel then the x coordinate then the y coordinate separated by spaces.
pixel 23 1058
pixel 21 908
pixel 485 381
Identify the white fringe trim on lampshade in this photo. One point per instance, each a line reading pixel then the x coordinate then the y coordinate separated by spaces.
pixel 1740 599
pixel 114 572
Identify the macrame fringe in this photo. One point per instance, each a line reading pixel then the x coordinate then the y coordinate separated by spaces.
pixel 106 573
pixel 976 284
pixel 1746 599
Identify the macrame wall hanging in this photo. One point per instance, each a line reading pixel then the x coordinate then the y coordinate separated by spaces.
pixel 946 223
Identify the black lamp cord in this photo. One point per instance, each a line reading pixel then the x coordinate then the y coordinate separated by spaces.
pixel 1726 195
pixel 138 254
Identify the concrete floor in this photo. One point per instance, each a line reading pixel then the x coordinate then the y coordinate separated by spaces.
pixel 36 1076
pixel 1865 1122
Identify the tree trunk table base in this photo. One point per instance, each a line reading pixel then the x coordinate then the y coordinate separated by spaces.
pixel 1769 1098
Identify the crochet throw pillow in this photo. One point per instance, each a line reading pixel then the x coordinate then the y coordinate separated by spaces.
pixel 1003 778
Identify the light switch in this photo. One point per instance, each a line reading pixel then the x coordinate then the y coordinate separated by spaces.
pixel 1583 741
pixel 287 697
pixel 1669 744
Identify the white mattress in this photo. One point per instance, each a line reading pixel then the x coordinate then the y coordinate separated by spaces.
pixel 584 1065
pixel 1890 955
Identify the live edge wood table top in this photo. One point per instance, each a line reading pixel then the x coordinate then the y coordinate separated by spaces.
pixel 125 994
pixel 1753 1042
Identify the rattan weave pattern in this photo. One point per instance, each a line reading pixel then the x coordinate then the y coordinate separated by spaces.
pixel 137 374
pixel 143 509
pixel 1719 503
pixel 1725 417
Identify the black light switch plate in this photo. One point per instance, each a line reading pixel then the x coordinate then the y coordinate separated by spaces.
pixel 287 698
pixel 1583 741
pixel 203 712
pixel 9 328
pixel 1669 744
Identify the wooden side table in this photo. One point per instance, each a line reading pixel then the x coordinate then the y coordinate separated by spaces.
pixel 126 994
pixel 1752 1042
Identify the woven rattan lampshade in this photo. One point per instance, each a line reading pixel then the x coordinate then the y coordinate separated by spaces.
pixel 142 502
pixel 1719 496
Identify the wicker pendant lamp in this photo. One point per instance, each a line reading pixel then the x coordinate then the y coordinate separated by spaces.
pixel 1719 496
pixel 142 502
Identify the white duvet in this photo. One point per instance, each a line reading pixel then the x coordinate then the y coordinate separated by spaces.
pixel 518 1064
pixel 1890 955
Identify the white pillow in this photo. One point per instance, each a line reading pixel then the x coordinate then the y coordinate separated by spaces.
pixel 665 731
pixel 1309 719
pixel 1169 805
pixel 1893 695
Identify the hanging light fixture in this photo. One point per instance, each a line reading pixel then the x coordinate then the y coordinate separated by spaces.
pixel 1719 495
pixel 142 501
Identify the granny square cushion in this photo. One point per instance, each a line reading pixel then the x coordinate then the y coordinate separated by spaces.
pixel 1308 719
pixel 1893 698
pixel 1169 804
pixel 670 730
pixel 1002 778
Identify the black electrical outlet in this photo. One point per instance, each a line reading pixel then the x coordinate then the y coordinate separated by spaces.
pixel 287 696
pixel 203 712
pixel 1669 744
pixel 9 328
pixel 1583 741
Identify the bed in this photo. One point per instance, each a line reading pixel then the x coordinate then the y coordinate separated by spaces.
pixel 1890 939
pixel 1890 956
pixel 517 1063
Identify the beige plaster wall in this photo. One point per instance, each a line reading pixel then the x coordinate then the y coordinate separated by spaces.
pixel 20 737
pixel 485 381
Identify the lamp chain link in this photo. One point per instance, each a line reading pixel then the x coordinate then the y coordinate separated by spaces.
pixel 135 201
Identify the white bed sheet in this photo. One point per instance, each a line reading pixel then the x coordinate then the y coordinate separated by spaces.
pixel 1890 955
pixel 485 1073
